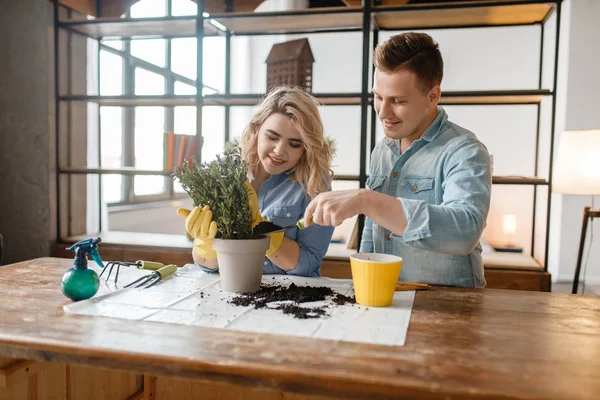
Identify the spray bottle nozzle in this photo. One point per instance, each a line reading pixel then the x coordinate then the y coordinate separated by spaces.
pixel 84 247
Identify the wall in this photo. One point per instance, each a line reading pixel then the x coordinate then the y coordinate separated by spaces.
pixel 579 105
pixel 26 109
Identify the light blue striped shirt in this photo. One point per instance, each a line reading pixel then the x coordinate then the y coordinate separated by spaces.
pixel 444 183
pixel 283 202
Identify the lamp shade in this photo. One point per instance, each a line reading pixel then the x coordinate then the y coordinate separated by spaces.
pixel 577 168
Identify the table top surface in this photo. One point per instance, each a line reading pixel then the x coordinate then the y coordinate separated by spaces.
pixel 468 343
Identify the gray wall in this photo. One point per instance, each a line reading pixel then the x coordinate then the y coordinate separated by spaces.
pixel 26 104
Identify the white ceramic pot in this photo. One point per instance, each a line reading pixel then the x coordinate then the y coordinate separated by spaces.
pixel 241 263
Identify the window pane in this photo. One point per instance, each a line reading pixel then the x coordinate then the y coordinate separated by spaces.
pixel 214 63
pixel 115 44
pixel 342 233
pixel 183 57
pixel 213 130
pixel 184 88
pixel 147 82
pixel 183 7
pixel 185 120
pixel 111 151
pixel 111 74
pixel 347 141
pixel 151 50
pixel 239 117
pixel 149 150
pixel 149 8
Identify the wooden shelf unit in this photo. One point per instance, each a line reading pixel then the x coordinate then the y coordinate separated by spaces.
pixel 460 14
pixel 448 98
pixel 452 14
pixel 389 15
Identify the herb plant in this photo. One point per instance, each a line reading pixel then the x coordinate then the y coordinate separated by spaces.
pixel 221 185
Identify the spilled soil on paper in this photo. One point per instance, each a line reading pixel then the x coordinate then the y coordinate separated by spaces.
pixel 288 299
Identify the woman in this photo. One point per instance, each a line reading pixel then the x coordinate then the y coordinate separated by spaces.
pixel 289 162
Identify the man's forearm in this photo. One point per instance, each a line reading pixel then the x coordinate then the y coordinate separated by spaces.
pixel 384 210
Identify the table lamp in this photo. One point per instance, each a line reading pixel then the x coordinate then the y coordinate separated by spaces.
pixel 509 226
pixel 577 172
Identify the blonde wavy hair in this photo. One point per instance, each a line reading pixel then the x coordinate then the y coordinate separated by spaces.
pixel 313 171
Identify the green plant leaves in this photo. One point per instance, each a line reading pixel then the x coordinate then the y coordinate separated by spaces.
pixel 221 185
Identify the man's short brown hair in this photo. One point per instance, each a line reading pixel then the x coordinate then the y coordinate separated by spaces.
pixel 416 52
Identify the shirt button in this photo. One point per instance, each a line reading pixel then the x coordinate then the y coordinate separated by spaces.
pixel 387 237
pixel 394 174
pixel 414 188
pixel 266 263
pixel 288 215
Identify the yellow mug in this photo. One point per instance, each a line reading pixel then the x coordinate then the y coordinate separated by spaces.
pixel 374 276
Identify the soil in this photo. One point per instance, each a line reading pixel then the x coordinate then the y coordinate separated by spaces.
pixel 265 227
pixel 294 296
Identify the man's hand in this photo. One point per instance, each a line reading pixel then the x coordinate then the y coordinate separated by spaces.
pixel 332 208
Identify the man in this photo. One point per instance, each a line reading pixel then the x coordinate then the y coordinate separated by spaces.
pixel 430 179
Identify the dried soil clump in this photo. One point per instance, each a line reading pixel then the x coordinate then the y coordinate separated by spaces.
pixel 294 295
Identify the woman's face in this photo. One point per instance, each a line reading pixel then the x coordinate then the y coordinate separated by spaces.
pixel 279 145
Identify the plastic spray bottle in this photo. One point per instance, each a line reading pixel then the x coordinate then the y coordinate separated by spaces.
pixel 80 282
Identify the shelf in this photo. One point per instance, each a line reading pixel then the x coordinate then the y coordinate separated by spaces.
pixel 253 99
pixel 132 101
pixel 518 180
pixel 494 97
pixel 138 27
pixel 306 20
pixel 137 239
pixel 209 100
pixel 448 98
pixel 330 19
pixel 497 180
pixel 111 171
pixel 461 14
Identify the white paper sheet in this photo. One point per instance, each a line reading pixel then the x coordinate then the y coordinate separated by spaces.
pixel 193 297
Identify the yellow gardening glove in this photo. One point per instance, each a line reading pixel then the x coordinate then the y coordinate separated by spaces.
pixel 253 203
pixel 200 226
pixel 276 238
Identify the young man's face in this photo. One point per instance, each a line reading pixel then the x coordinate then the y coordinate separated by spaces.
pixel 402 107
pixel 279 144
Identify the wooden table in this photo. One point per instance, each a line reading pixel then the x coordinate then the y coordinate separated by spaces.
pixel 461 344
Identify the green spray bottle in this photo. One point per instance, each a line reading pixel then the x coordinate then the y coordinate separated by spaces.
pixel 80 282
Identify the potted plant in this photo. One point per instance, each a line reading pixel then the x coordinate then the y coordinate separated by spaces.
pixel 221 185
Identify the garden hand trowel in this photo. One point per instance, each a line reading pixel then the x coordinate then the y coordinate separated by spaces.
pixel 267 227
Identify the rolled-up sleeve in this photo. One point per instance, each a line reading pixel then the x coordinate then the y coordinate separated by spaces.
pixel 313 242
pixel 366 242
pixel 456 225
pixel 203 268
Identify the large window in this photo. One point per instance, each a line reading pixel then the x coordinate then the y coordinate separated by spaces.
pixel 135 135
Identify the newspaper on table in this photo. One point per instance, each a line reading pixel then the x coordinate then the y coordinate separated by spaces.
pixel 193 297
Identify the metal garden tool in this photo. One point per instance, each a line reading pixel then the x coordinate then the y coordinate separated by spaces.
pixel 267 227
pixel 154 277
pixel 149 265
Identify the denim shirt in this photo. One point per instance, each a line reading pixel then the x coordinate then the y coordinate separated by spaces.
pixel 443 181
pixel 283 202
